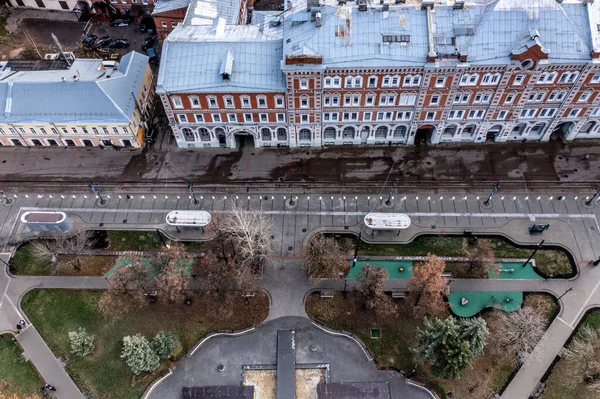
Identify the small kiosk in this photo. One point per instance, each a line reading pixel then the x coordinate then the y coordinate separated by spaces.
pixel 375 222
pixel 46 221
pixel 188 219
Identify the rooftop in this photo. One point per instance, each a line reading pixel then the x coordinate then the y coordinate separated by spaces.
pixel 354 390
pixel 161 6
pixel 203 12
pixel 88 92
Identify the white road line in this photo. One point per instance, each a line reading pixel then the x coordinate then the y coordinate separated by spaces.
pixel 14 307
pixel 586 302
pixel 565 323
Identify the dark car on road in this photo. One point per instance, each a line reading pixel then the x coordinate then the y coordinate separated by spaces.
pixel 152 58
pixel 147 43
pixel 119 22
pixel 119 43
pixel 102 42
pixel 89 40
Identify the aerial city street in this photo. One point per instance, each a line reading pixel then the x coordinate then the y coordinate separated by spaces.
pixel 300 199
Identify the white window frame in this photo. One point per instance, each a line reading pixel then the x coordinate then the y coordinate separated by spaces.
pixel 216 118
pixel 229 101
pixel 304 119
pixel 456 114
pixel 199 118
pixel 430 115
pixel 350 116
pixel 510 98
pixel 501 115
pixel 212 102
pixel 248 118
pixel 435 99
pixel 194 99
pixel 177 102
pixel 372 82
pixel 440 81
pixel 370 100
pixel 246 102
pixel 595 78
pixel 232 118
pixel 519 80
pixel 261 101
pixel 281 118
pixel 585 96
pixel 182 118
pixel 303 84
pixel 304 102
pixel 403 115
pixel 367 116
pixel 476 114
pixel 461 98
pixel 264 118
pixel 574 113
pixel 279 102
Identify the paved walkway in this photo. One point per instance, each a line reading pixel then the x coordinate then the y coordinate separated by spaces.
pixel 574 226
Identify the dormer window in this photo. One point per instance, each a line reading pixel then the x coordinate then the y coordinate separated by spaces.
pixel 226 66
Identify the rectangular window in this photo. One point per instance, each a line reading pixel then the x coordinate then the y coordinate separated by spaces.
pixel 347 100
pixel 304 119
pixel 366 116
pixel 95 130
pixel 212 102
pixel 164 23
pixel 279 102
pixel 595 78
pixel 216 118
pixel 304 84
pixel 232 118
pixel 264 118
pixel 105 130
pixel 372 82
pixel 326 117
pixel 245 102
pixel 356 100
pixel 73 129
pixel 32 130
pixel 228 102
pixel 440 81
pixel 435 100
pixel 195 101
pixel 199 118
pixel 574 113
pixel 182 118
pixel 519 80
pixel 262 102
pixel 173 24
pixel 280 118
pixel 327 101
pixel 115 130
pixel 501 115
pixel 585 96
pixel 64 130
pixel 403 116
pixel 509 99
pixel 387 81
pixel 350 116
pixel 248 118
pixel 335 100
pixel 370 99
pixel 327 82
pixel 177 103
pixel 124 130
pixel 304 102
pixel 430 116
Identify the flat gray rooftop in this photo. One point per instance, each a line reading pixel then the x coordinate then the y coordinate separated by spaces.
pixel 286 364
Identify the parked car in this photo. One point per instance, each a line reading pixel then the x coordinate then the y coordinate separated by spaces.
pixel 119 43
pixel 152 58
pixel 143 28
pixel 102 42
pixel 147 43
pixel 119 22
pixel 147 26
pixel 89 40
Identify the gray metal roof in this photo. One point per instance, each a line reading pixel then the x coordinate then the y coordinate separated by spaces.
pixel 286 364
pixel 192 57
pixel 161 6
pixel 203 12
pixel 97 96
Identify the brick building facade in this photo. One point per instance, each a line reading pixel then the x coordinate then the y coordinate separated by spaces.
pixel 371 73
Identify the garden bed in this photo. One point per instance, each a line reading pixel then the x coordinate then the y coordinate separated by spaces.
pixel 104 373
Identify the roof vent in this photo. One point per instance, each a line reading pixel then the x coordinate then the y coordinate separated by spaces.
pixel 226 66
pixel 76 78
pixel 385 4
pixel 318 20
pixel 310 4
pixel 342 2
pixel 362 5
pixel 459 4
pixel 427 3
pixel 63 79
pixel 275 21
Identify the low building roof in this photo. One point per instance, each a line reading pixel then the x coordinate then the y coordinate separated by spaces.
pixel 161 6
pixel 188 218
pixel 218 392
pixel 89 93
pixel 387 221
pixel 203 12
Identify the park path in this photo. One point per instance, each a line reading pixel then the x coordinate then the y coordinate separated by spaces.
pixel 574 226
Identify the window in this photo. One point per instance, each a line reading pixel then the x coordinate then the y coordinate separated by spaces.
pixel 73 129
pixel 105 130
pixel 527 113
pixel 546 77
pixel 588 127
pixel 232 118
pixel 519 80
pixel 163 23
pixel 469 79
pixel 381 132
pixel 199 118
pixel 595 78
pixel 481 98
pixel 547 113
pixel 537 129
pixel 384 116
pixel 182 118
pixel 173 24
pixel 329 133
pixel 248 118
pixel 450 130
pixel 403 116
pixel 304 119
pixel 585 96
pixel 395 81
pixel 177 103
pixel 387 81
pixel 435 99
pixel 304 135
pixel 265 134
pixel 124 130
pixel 348 99
pixel 216 118
pixel 32 130
pixel 568 77
pixel 245 102
pixel 596 112
pixel 115 130
pixel 440 81
pixel 262 102
pixel 408 99
pixel 412 80
pixel 348 133
pixel 372 81
pixel 304 102
pixel 399 132
pixel 212 102
pixel 456 114
pixel 461 98
pixel 490 79
pixel 195 101
pixel 332 82
pixel 383 99
pixel 510 97
pixel 574 113
pixel 501 115
pixel 370 99
pixel 353 81
pixel 335 100
pixel 281 134
pixel 303 84
pixel 430 116
pixel 402 39
pixel 367 116
pixel 468 131
pixel 45 132
pixel 557 96
pixel 350 116
pixel 228 102
pixel 264 118
pixel 279 102
pixel 280 118
pixel 476 114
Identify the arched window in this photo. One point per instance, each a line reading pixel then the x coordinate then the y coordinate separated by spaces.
pixel 204 134
pixel 588 127
pixel 518 129
pixel 399 132
pixel 188 135
pixel 304 135
pixel 469 130
pixel 449 130
pixel 348 132
pixel 281 134
pixel 265 134
pixel 220 132
pixel 329 133
pixel 381 132
pixel 537 130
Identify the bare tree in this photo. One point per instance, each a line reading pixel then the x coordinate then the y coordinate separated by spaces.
pixel 519 332
pixel 371 288
pixel 71 249
pixel 172 283
pixel 481 258
pixel 427 287
pixel 250 231
pixel 323 258
pixel 582 359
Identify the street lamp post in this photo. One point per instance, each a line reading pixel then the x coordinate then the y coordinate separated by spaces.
pixel 192 194
pixel 7 200
pixel 96 193
pixel 291 202
pixel 534 251
pixel 565 293
pixel 388 202
pixel 162 239
pixel 494 191
pixel 356 249
pixel 596 194
pixel 596 262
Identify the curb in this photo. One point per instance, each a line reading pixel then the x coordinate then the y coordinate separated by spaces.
pixel 149 390
pixel 347 335
pixel 218 334
pixel 421 386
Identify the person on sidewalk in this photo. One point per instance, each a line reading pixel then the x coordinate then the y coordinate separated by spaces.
pixel 50 387
pixel 22 322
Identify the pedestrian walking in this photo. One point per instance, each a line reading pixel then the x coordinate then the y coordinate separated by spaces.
pixel 17 332
pixel 586 157
pixel 50 387
pixel 22 322
pixel 19 327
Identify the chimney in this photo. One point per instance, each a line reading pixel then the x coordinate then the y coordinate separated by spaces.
pixel 462 56
pixel 459 4
pixel 63 79
pixel 318 19
pixel 362 5
pixel 76 78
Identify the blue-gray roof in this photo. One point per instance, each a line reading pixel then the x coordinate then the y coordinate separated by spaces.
pixel 98 96
pixel 161 6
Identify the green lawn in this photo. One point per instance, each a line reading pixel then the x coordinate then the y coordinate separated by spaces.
pixel 56 312
pixel 16 376
pixel 548 261
pixel 130 240
pixel 556 387
pixel 25 264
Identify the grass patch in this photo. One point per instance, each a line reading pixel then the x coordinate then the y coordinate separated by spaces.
pixel 3 30
pixel 104 373
pixel 548 261
pixel 129 240
pixel 489 372
pixel 17 377
pixel 556 387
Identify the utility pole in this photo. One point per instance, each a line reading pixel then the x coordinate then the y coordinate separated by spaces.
pixel 388 202
pixel 96 193
pixel 191 188
pixel 494 191
pixel 565 293
pixel 356 248
pixel 291 201
pixel 596 194
pixel 534 251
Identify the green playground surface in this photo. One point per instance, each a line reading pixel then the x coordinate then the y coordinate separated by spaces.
pixel 392 266
pixel 477 301
pixel 515 270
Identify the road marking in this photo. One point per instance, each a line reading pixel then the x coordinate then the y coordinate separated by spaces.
pixel 586 302
pixel 565 323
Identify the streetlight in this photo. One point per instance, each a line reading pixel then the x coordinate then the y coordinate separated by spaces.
pixel 162 239
pixel 291 202
pixel 356 248
pixel 596 194
pixel 494 191
pixel 7 200
pixel 565 293
pixel 191 188
pixel 388 202
pixel 96 193
pixel 596 262
pixel 534 251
